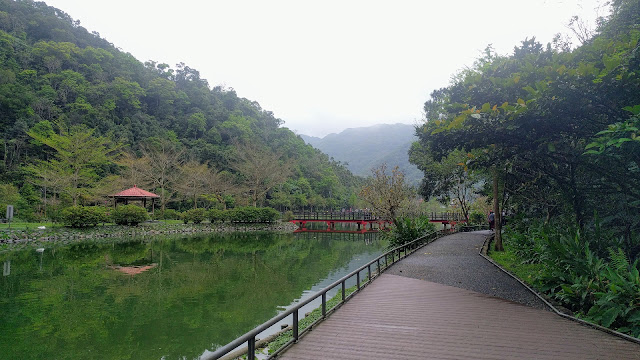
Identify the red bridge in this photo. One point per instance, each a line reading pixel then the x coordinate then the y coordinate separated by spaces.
pixel 367 218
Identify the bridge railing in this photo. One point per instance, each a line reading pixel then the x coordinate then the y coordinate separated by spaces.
pixel 380 264
pixel 369 216
pixel 335 215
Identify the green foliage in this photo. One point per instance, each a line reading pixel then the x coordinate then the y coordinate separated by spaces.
pixel 557 127
pixel 129 215
pixel 194 215
pixel 406 229
pixel 252 215
pixel 477 218
pixel 287 216
pixel 83 216
pixel 170 214
pixel 9 195
pixel 216 215
pixel 598 283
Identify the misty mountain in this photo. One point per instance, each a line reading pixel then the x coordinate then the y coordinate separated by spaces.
pixel 367 147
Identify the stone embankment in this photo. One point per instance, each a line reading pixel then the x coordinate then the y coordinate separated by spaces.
pixel 23 237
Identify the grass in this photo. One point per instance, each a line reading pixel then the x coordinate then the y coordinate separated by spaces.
pixel 529 273
pixel 22 225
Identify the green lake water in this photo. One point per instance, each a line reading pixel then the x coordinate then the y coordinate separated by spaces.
pixel 77 301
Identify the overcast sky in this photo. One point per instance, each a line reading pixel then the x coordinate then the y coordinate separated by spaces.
pixel 324 66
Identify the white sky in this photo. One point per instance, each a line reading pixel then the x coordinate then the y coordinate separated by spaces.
pixel 324 66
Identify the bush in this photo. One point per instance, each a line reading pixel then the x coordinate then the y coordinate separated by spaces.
pixel 478 218
pixel 597 282
pixel 287 216
pixel 82 216
pixel 253 215
pixel 129 215
pixel 216 215
pixel 170 214
pixel 405 230
pixel 268 215
pixel 194 215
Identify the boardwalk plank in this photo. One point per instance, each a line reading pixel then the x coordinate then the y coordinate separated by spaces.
pixel 403 318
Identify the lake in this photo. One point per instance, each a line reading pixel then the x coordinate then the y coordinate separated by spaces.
pixel 163 298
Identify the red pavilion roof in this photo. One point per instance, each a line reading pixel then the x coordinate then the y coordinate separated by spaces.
pixel 135 192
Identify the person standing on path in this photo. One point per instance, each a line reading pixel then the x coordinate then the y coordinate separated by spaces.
pixel 492 220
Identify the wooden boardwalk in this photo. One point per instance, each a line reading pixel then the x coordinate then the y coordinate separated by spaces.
pixel 403 318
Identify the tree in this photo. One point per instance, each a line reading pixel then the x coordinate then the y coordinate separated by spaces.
pixel 162 157
pixel 386 193
pixel 194 180
pixel 450 178
pixel 260 169
pixel 78 158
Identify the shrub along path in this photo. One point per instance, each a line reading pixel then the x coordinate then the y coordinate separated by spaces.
pixel 402 316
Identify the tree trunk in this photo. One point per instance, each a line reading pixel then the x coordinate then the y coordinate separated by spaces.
pixel 497 214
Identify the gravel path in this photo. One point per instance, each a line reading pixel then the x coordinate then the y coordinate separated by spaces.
pixel 453 260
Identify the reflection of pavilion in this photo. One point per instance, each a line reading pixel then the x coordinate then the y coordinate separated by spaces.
pixel 134 194
pixel 134 269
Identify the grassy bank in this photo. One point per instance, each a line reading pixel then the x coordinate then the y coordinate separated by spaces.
pixel 529 273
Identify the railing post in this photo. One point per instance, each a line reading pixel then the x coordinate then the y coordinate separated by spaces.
pixel 295 325
pixel 386 264
pixel 343 292
pixel 251 348
pixel 358 279
pixel 379 272
pixel 369 269
pixel 324 305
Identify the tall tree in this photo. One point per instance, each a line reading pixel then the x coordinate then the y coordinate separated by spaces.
pixel 78 158
pixel 386 192
pixel 194 180
pixel 260 169
pixel 162 158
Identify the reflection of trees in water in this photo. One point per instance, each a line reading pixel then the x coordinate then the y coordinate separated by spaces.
pixel 205 290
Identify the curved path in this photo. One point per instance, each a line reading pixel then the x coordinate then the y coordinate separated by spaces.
pixel 453 260
pixel 414 316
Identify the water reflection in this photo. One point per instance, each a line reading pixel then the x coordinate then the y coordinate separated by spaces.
pixel 155 298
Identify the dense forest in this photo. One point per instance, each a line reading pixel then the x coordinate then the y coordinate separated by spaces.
pixel 80 119
pixel 554 132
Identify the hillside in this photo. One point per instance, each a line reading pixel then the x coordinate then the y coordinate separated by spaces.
pixel 58 82
pixel 367 147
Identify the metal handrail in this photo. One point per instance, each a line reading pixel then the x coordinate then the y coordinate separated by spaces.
pixel 250 337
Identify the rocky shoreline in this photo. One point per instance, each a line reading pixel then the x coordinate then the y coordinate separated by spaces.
pixel 19 238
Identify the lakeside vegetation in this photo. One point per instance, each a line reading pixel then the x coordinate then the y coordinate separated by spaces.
pixel 550 133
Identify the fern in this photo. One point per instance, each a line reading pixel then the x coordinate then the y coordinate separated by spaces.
pixel 619 261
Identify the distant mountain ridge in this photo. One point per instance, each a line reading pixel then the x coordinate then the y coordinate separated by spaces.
pixel 364 148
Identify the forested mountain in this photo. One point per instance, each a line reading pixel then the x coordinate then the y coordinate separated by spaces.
pixel 159 127
pixel 367 147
